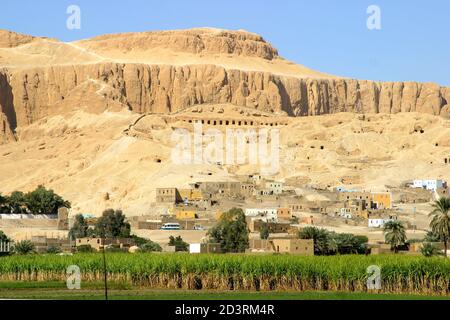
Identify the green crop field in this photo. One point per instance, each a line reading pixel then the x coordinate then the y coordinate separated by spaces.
pixel 268 274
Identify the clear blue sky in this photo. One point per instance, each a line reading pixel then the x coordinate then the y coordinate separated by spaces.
pixel 326 35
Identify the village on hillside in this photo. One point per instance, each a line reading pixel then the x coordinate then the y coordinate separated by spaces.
pixel 275 212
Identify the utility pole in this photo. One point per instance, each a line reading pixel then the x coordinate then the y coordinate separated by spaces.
pixel 104 266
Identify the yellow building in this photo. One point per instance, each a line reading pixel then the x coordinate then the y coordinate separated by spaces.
pixel 374 200
pixel 284 214
pixel 191 195
pixel 184 215
pixel 283 245
pixel 382 200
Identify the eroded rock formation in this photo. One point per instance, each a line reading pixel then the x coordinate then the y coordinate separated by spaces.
pixel 28 94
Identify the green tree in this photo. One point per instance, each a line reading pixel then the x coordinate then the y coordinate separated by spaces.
pixel 3 203
pixel 145 245
pixel 394 234
pixel 112 224
pixel 264 232
pixel 360 244
pixel 17 202
pixel 440 222
pixel 332 245
pixel 348 243
pixel 429 250
pixel 231 231
pixel 138 240
pixel 150 246
pixel 431 237
pixel 43 201
pixel 320 237
pixel 79 229
pixel 178 243
pixel 24 247
pixel 4 237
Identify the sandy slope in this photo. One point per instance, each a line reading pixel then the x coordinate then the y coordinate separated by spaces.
pixel 77 135
pixel 85 156
pixel 153 48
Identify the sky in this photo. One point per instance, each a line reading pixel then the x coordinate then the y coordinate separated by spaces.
pixel 331 36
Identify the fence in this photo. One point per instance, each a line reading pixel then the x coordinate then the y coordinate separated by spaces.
pixel 28 216
pixel 5 247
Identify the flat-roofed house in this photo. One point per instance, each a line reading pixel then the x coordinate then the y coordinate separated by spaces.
pixel 283 245
pixel 431 184
pixel 100 243
pixel 266 214
pixel 284 214
pixel 168 196
pixel 381 200
pixel 275 187
pixel 256 225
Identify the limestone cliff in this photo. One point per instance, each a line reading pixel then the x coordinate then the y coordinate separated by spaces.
pixel 30 93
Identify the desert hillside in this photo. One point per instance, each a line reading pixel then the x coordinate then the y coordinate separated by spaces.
pixel 93 119
pixel 164 72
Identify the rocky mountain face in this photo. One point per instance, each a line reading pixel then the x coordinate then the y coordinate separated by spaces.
pixel 31 93
pixel 11 39
pixel 196 41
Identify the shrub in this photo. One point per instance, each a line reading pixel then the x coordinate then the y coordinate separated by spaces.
pixel 54 249
pixel 24 247
pixel 264 232
pixel 430 250
pixel 178 243
pixel 150 246
pixel 85 248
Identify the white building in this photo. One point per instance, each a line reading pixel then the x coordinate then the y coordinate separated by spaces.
pixel 432 185
pixel 378 222
pixel 195 248
pixel 275 187
pixel 267 215
pixel 346 213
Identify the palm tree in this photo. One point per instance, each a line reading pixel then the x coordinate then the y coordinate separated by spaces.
pixel 3 201
pixel 394 234
pixel 440 223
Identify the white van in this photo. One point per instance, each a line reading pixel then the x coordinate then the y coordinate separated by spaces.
pixel 171 226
